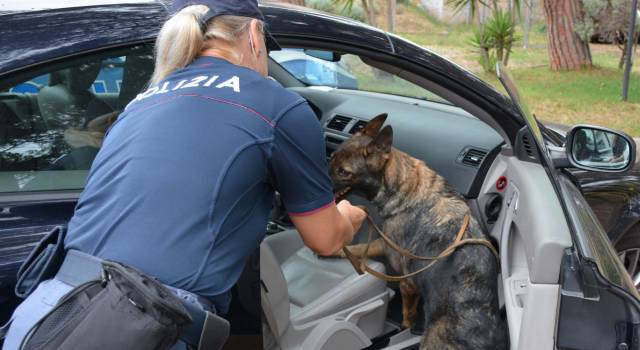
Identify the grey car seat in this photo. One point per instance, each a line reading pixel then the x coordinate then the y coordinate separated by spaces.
pixel 318 303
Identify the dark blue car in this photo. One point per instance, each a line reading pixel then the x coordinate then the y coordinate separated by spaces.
pixel 67 71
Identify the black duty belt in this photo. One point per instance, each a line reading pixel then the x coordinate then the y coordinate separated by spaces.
pixel 207 331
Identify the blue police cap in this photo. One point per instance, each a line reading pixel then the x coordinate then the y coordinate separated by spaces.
pixel 245 8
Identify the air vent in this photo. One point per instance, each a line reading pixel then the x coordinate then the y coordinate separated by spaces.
pixel 527 144
pixel 473 157
pixel 333 140
pixel 525 147
pixel 357 127
pixel 338 122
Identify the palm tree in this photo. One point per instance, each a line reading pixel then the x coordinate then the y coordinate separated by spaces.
pixel 367 5
pixel 475 5
pixel 472 5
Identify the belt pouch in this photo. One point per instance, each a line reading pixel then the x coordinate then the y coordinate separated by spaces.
pixel 124 310
pixel 42 263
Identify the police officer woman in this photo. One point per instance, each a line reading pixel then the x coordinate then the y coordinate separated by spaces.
pixel 183 184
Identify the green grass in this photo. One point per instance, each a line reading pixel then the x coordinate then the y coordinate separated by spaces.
pixel 441 35
pixel 589 96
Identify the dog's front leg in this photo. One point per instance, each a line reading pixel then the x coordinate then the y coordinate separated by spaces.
pixel 376 248
pixel 410 298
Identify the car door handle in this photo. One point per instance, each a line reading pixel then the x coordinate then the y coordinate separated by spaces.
pixel 512 206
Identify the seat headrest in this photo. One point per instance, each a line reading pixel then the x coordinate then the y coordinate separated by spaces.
pixel 58 77
pixel 135 76
pixel 80 78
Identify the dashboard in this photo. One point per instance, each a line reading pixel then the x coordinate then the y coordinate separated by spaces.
pixel 449 140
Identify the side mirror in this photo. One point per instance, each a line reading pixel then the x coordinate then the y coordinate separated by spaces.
pixel 600 149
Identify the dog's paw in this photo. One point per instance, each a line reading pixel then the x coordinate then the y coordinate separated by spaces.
pixel 409 321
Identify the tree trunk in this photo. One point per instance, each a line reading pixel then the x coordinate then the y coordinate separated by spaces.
pixel 567 51
pixel 391 15
pixel 369 11
pixel 622 55
pixel 624 50
pixel 505 61
pixel 527 22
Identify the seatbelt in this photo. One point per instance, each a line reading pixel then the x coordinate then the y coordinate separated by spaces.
pixel 5 329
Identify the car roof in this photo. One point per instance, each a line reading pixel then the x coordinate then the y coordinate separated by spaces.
pixel 37 34
pixel 37 5
pixel 32 37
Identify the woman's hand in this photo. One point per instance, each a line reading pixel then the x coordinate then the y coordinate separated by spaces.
pixel 354 214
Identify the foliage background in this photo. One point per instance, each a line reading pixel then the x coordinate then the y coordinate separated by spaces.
pixel 589 96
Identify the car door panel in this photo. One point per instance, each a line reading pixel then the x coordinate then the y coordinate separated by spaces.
pixel 598 307
pixel 43 170
pixel 532 236
pixel 22 225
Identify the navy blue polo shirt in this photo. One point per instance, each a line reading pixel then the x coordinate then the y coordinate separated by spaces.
pixel 183 184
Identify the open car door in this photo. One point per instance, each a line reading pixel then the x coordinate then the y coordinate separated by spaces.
pixel 564 286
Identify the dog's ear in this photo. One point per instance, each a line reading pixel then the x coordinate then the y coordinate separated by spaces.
pixel 374 125
pixel 382 142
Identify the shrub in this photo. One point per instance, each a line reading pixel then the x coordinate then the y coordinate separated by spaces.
pixel 484 44
pixel 495 39
pixel 501 29
pixel 356 11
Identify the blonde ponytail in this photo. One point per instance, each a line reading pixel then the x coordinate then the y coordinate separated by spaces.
pixel 181 39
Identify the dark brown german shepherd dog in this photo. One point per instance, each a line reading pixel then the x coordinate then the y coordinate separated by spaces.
pixel 423 214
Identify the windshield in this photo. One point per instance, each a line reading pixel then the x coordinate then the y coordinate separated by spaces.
pixel 347 71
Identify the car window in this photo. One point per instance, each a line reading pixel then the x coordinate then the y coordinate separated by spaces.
pixel 347 72
pixel 53 118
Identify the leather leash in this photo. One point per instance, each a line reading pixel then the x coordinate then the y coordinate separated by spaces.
pixel 360 263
